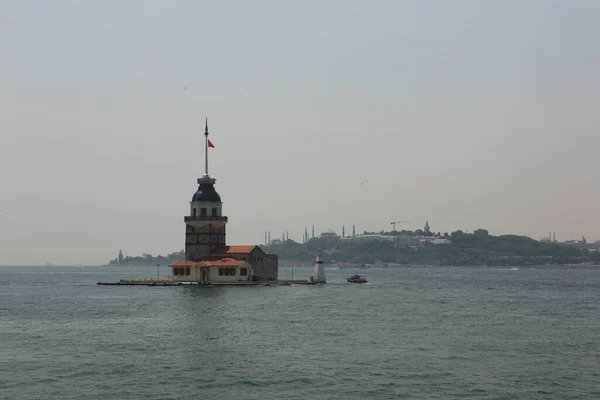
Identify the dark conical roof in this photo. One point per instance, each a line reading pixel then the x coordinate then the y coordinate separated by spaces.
pixel 206 191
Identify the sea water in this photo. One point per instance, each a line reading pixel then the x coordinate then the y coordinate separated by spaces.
pixel 422 333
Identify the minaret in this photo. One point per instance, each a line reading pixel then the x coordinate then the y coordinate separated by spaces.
pixel 313 231
pixel 353 230
pixel 305 234
pixel 265 238
pixel 343 232
pixel 269 237
pixel 205 226
pixel 319 270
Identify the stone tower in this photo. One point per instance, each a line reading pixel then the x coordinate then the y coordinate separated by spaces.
pixel 205 226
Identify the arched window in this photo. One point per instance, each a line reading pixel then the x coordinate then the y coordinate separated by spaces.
pixel 175 271
pixel 226 271
pixel 243 271
pixel 220 271
pixel 232 271
pixel 187 271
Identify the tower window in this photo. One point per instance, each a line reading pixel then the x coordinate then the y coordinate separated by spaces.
pixel 214 211
pixel 193 212
pixel 203 212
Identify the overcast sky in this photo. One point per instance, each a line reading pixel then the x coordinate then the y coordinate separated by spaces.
pixel 469 114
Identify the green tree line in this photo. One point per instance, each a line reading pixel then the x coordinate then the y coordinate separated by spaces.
pixel 465 249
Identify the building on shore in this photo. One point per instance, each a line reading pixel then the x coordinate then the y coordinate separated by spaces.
pixel 208 258
pixel 396 240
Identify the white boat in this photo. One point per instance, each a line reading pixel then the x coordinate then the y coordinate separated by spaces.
pixel 356 279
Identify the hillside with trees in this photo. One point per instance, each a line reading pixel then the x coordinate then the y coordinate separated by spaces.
pixel 464 249
pixel 147 259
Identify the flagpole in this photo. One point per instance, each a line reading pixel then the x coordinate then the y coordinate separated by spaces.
pixel 206 148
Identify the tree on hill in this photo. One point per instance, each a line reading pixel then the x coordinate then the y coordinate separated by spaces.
pixel 468 249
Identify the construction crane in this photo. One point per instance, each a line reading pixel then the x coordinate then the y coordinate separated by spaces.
pixel 398 222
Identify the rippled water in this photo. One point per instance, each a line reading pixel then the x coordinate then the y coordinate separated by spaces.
pixel 409 333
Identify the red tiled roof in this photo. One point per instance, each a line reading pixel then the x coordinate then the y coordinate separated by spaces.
pixel 221 262
pixel 185 263
pixel 234 249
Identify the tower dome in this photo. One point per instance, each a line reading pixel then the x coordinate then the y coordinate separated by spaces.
pixel 206 191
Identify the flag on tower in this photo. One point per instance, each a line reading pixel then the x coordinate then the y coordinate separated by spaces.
pixel 210 144
pixel 584 241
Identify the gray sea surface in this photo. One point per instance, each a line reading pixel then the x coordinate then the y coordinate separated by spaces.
pixel 413 333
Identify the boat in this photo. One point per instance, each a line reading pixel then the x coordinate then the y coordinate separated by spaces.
pixel 356 279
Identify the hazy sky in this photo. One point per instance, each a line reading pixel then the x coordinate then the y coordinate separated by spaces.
pixel 471 114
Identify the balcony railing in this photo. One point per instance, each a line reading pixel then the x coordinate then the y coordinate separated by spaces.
pixel 204 218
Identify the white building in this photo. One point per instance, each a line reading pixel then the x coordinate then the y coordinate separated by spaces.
pixel 435 240
pixel 368 238
pixel 395 240
pixel 212 270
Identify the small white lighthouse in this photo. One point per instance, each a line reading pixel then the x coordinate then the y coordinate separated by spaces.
pixel 319 270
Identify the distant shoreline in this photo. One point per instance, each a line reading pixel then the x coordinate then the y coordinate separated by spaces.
pixel 308 265
pixel 286 264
